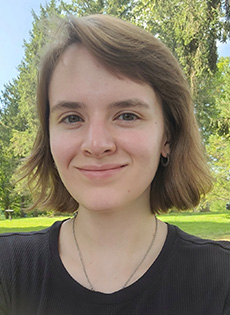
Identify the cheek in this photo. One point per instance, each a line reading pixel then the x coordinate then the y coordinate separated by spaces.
pixel 145 145
pixel 62 149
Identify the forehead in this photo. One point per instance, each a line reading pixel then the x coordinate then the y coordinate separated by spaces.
pixel 79 76
pixel 75 60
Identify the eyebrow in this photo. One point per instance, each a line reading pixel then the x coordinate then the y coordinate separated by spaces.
pixel 66 105
pixel 133 102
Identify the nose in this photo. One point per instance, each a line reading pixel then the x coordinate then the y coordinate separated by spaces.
pixel 98 140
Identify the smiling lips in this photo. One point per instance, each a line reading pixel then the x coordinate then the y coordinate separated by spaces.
pixel 101 171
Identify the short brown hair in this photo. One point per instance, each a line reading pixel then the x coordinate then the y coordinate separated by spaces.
pixel 125 49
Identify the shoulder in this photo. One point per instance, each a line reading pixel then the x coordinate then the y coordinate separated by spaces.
pixel 202 252
pixel 21 245
pixel 193 241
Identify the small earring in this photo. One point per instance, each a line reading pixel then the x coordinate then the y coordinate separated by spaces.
pixel 165 160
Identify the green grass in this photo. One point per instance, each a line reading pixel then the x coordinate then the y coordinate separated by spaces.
pixel 213 225
pixel 27 224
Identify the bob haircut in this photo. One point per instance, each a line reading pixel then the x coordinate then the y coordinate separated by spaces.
pixel 125 49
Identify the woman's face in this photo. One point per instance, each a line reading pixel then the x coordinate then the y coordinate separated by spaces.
pixel 106 133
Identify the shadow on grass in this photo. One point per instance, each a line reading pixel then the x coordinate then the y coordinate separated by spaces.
pixel 204 229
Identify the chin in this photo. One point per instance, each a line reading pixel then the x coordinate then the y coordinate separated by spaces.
pixel 99 207
pixel 101 200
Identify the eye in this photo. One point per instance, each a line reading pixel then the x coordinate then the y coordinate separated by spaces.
pixel 128 117
pixel 71 119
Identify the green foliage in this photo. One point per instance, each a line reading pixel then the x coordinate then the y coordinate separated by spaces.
pixel 219 152
pixel 222 83
pixel 8 161
pixel 218 146
pixel 121 8
pixel 18 120
pixel 189 28
pixel 218 206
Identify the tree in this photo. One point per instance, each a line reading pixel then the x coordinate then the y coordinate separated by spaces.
pixel 191 30
pixel 120 8
pixel 8 162
pixel 218 146
pixel 222 83
pixel 18 115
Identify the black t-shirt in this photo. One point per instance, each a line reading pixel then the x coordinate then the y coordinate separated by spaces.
pixel 190 276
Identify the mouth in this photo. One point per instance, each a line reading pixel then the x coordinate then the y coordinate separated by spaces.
pixel 101 171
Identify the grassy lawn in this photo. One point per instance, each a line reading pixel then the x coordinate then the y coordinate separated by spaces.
pixel 213 225
pixel 27 224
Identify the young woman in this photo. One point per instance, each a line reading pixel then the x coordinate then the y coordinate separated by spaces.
pixel 118 142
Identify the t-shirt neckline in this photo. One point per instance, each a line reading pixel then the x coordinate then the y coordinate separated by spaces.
pixel 150 277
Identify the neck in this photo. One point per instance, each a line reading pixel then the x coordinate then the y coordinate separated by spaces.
pixel 113 227
pixel 134 271
pixel 112 245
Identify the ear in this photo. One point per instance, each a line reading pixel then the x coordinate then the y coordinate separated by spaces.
pixel 165 149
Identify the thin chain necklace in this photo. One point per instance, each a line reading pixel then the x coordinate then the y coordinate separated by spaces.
pixel 135 270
